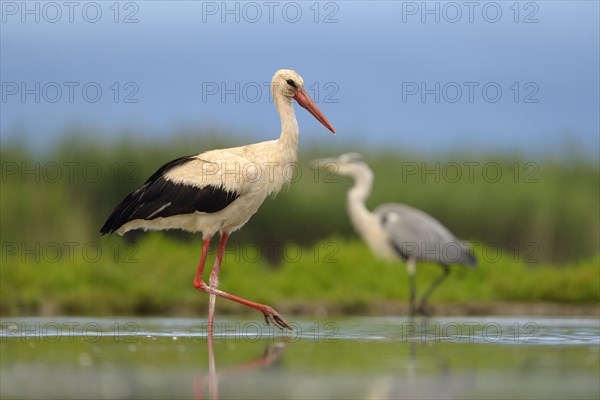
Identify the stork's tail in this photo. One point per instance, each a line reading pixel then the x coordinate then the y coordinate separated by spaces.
pixel 121 213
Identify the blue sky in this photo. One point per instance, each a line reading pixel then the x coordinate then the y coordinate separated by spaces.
pixel 523 78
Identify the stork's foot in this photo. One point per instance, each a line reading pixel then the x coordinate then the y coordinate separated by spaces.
pixel 273 317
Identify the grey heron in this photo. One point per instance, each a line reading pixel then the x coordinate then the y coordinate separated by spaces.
pixel 398 231
pixel 220 190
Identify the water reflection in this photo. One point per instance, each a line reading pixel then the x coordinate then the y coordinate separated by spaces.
pixel 369 357
pixel 272 353
pixel 418 374
pixel 409 371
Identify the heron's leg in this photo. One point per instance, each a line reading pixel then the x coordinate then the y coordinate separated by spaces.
pixel 270 314
pixel 411 264
pixel 423 302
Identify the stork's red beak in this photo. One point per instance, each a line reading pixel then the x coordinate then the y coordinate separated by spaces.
pixel 305 101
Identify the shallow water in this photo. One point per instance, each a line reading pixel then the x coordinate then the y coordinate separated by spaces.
pixel 326 358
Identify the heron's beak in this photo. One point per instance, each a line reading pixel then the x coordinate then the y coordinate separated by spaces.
pixel 305 101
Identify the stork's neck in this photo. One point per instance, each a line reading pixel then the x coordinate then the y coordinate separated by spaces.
pixel 360 216
pixel 289 127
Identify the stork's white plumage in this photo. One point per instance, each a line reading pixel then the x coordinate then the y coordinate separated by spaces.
pixel 220 190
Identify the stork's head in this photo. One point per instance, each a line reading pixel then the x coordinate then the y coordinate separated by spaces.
pixel 289 84
pixel 349 164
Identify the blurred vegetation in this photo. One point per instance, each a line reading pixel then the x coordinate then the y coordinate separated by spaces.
pixel 155 276
pixel 536 213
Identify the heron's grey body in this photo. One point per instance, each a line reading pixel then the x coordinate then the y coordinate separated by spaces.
pixel 416 234
pixel 398 231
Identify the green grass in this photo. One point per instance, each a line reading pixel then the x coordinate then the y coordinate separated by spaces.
pixel 548 203
pixel 542 213
pixel 155 276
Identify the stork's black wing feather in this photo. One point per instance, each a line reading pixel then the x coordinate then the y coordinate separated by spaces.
pixel 168 166
pixel 160 197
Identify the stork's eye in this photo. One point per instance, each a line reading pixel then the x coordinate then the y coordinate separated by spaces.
pixel 292 83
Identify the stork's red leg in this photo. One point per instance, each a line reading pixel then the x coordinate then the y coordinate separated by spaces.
pixel 200 271
pixel 198 277
pixel 214 280
pixel 270 314
pixel 213 383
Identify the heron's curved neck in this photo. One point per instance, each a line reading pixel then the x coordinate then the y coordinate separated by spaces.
pixel 360 216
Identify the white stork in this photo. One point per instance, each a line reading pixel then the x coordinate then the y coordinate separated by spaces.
pixel 219 190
